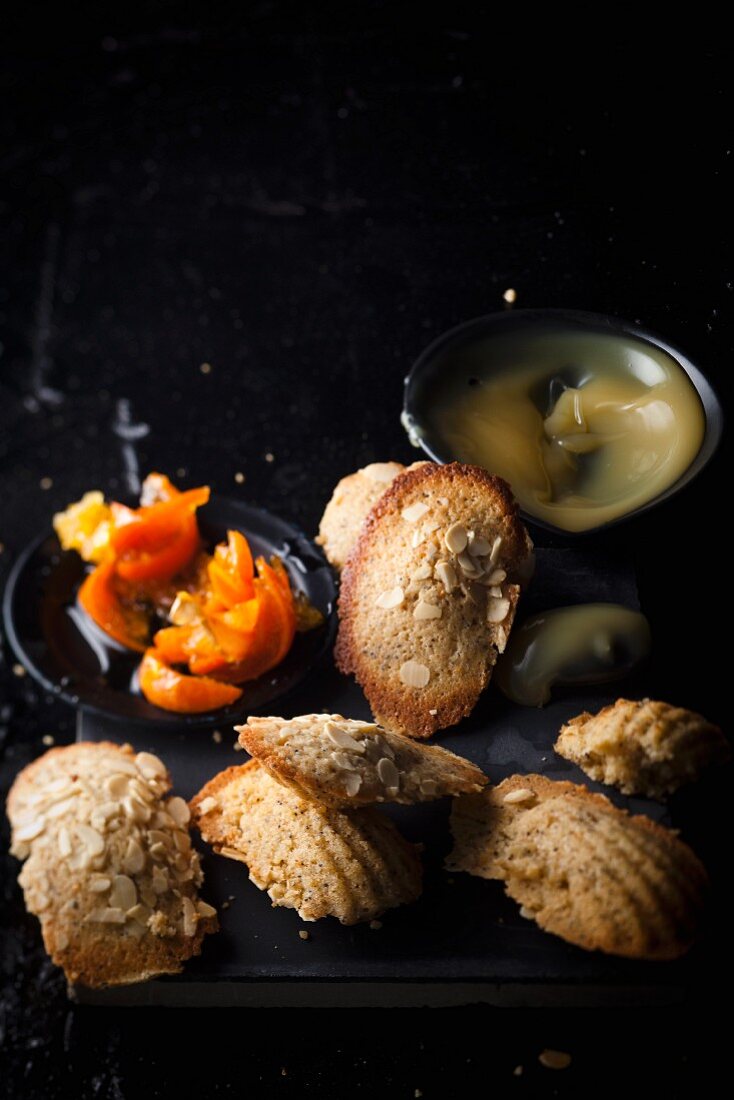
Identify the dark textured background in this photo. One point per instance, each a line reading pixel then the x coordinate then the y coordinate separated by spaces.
pixel 303 203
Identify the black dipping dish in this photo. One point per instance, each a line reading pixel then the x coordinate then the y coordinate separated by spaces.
pixel 72 658
pixel 446 353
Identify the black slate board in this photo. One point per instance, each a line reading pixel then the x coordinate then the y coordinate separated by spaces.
pixel 464 941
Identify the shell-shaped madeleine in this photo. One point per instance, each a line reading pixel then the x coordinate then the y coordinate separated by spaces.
pixel 344 762
pixel 645 747
pixel 109 869
pixel 428 595
pixel 583 869
pixel 319 861
pixel 605 881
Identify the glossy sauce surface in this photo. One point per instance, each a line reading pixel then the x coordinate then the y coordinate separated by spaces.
pixel 585 426
pixel 586 644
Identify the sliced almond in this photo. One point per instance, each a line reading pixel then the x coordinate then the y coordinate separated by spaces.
pixel 352 783
pixel 497 576
pixel 64 842
pixel 342 738
pixel 90 838
pixel 159 880
pixel 181 840
pixel 178 810
pixel 207 805
pixel 418 537
pixel 30 831
pixel 414 674
pixel 341 760
pixel 61 808
pixel 456 538
pixel 414 512
pixel 106 916
pixel 447 575
pixel 384 472
pixel 158 851
pixel 388 773
pixel 136 810
pixel 392 598
pixel 116 785
pixel 158 836
pixel 99 883
pixel 190 917
pixel 133 860
pixel 150 766
pixel 495 551
pixel 123 894
pixel 479 547
pixel 497 610
pixel 428 787
pixel 468 565
pixel 422 573
pixel 424 610
pixel 61 942
pixel 495 592
pixel 522 794
pixel 204 909
pixel 139 913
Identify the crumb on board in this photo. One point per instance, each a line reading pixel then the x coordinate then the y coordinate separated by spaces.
pixel 269 456
pixel 237 747
pixel 48 739
pixel 375 925
pixel 554 1059
pixel 18 670
pixel 510 296
pixel 217 736
pixel 304 935
pixel 46 482
pixel 239 477
pixel 206 368
pixel 517 1071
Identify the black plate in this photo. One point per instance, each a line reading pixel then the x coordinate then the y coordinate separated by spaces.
pixel 62 649
pixel 440 355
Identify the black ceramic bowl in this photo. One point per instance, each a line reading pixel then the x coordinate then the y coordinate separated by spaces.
pixel 74 660
pixel 443 353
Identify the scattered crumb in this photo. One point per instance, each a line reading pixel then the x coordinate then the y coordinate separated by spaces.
pixel 304 935
pixel 517 1071
pixel 417 1093
pixel 48 739
pixel 2 547
pixel 206 368
pixel 269 456
pixel 451 880
pixel 18 670
pixel 237 747
pixel 510 296
pixel 181 471
pixel 217 736
pixel 225 905
pixel 283 1072
pixel 554 1059
pixel 375 925
pixel 239 477
pixel 46 482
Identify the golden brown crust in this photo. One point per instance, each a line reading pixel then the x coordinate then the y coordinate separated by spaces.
pixel 581 868
pixel 459 648
pixel 344 763
pixel 319 861
pixel 109 869
pixel 644 747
